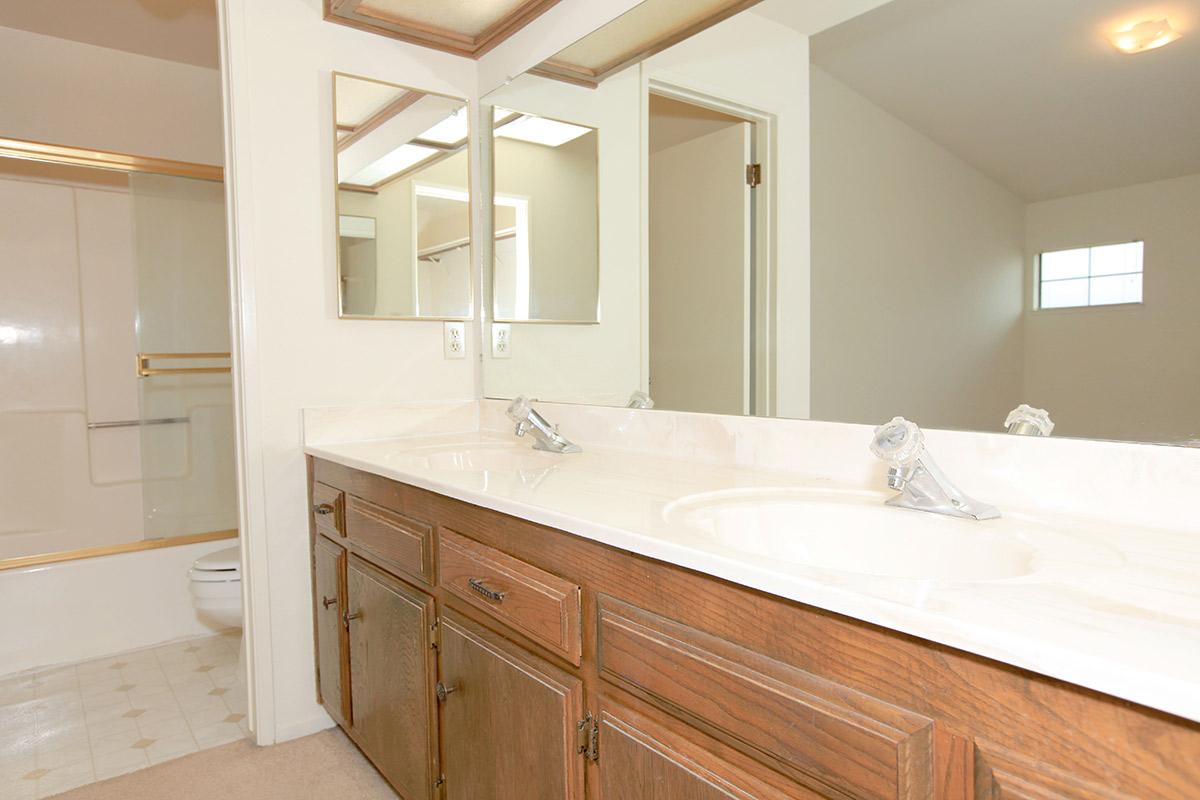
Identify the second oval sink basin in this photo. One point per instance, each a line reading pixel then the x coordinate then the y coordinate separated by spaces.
pixel 854 532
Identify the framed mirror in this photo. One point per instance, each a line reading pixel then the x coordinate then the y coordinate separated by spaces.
pixel 937 208
pixel 403 202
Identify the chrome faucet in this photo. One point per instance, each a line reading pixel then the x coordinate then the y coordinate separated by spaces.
pixel 1026 420
pixel 914 473
pixel 546 436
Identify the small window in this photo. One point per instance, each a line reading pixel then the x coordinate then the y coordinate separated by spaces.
pixel 1091 276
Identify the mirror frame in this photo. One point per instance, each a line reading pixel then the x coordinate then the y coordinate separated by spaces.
pixel 471 207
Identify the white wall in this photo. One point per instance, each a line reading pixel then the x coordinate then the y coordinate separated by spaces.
pixel 917 274
pixel 294 352
pixel 1122 372
pixel 78 610
pixel 65 92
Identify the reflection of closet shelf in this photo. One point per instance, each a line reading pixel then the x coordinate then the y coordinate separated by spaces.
pixel 430 252
pixel 130 423
pixel 144 370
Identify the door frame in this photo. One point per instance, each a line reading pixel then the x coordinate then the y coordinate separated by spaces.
pixel 764 273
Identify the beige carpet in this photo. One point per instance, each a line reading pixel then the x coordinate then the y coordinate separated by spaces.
pixel 324 766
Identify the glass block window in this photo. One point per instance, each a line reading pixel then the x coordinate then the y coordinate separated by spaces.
pixel 1091 276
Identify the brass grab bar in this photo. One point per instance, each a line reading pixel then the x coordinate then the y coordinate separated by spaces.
pixel 129 423
pixel 144 370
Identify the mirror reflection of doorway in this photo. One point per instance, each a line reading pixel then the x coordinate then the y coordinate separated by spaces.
pixel 702 273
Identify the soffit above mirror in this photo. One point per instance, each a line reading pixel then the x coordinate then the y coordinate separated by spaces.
pixel 463 27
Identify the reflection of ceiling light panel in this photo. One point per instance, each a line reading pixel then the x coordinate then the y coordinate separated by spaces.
pixel 400 159
pixel 1146 35
pixel 451 130
pixel 540 130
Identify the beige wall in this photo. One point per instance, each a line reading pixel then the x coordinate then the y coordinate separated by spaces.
pixel 917 274
pixel 1122 372
pixel 294 351
pixel 66 92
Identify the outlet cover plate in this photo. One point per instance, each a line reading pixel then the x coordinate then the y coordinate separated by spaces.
pixel 501 340
pixel 454 339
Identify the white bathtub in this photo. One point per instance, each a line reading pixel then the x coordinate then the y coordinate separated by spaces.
pixel 77 610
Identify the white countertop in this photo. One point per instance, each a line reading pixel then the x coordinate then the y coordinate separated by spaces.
pixel 1120 613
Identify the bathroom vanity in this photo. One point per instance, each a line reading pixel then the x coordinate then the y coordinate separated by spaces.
pixel 475 654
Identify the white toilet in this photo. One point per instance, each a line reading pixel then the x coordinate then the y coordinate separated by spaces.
pixel 216 585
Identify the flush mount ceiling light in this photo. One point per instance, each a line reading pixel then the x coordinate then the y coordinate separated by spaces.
pixel 1145 35
pixel 451 130
pixel 540 130
pixel 397 161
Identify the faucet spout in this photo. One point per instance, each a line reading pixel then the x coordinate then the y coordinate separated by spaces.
pixel 545 436
pixel 921 484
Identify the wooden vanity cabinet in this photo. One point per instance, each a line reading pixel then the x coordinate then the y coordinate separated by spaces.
pixel 496 659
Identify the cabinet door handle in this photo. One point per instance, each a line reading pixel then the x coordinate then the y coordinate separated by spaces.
pixel 323 509
pixel 443 690
pixel 490 594
pixel 328 601
pixel 347 616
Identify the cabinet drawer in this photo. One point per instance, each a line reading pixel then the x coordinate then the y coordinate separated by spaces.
pixel 534 602
pixel 394 539
pixel 329 510
pixel 844 738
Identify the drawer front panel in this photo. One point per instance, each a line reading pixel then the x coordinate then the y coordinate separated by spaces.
pixel 841 737
pixel 329 510
pixel 399 541
pixel 530 600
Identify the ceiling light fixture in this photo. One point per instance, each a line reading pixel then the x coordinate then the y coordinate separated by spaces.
pixel 1145 35
pixel 451 130
pixel 540 130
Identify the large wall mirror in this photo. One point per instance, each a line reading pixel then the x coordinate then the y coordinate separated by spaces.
pixel 847 211
pixel 403 202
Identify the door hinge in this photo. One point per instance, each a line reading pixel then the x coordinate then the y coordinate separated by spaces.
pixel 438 784
pixel 587 737
pixel 753 175
pixel 433 635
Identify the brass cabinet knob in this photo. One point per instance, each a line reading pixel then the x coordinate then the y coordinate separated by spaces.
pixel 328 601
pixel 347 616
pixel 323 509
pixel 443 690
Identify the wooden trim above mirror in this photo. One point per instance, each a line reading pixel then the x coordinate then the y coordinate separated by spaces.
pixel 472 45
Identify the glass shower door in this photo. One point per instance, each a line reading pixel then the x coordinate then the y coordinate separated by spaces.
pixel 184 384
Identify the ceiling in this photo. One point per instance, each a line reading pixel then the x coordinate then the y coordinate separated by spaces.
pixel 463 27
pixel 1030 92
pixel 175 30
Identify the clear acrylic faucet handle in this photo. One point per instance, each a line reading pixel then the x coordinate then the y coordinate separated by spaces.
pixel 1026 415
pixel 519 408
pixel 898 442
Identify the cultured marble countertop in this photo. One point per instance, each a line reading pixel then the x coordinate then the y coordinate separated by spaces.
pixel 1107 607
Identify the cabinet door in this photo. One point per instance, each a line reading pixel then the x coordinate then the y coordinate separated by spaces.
pixel 329 565
pixel 508 721
pixel 643 756
pixel 391 677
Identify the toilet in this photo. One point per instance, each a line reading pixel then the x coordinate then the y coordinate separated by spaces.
pixel 215 581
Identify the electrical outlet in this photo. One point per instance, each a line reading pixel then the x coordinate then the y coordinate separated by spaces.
pixel 501 340
pixel 454 339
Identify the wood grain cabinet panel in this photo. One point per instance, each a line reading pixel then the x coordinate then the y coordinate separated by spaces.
pixel 536 603
pixel 1001 774
pixel 391 677
pixel 328 510
pixel 508 720
pixel 329 563
pixel 844 738
pixel 646 758
pixel 399 541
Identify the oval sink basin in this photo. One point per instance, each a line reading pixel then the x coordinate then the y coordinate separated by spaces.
pixel 482 457
pixel 854 532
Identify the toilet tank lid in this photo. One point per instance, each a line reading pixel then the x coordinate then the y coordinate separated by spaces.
pixel 229 558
